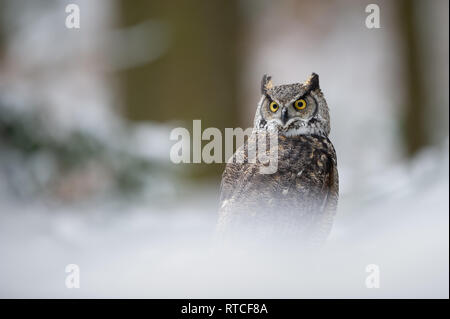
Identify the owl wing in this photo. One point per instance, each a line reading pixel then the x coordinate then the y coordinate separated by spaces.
pixel 233 180
pixel 324 218
pixel 239 180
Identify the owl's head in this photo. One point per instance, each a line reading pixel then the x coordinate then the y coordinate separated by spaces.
pixel 293 109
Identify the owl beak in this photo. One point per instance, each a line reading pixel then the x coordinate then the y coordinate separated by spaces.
pixel 284 115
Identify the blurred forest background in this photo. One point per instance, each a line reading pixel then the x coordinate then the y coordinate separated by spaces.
pixel 85 116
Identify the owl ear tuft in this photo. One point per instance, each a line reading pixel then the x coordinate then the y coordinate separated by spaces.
pixel 313 82
pixel 266 83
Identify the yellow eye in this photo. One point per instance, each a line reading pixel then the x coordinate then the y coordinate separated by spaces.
pixel 300 104
pixel 273 107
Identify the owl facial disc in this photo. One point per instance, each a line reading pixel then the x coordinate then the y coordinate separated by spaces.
pixel 293 109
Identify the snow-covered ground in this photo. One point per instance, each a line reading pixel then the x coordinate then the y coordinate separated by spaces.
pixel 397 220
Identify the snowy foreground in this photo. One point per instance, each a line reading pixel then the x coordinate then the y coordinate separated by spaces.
pixel 397 220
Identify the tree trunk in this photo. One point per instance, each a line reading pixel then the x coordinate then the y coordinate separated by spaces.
pixel 414 128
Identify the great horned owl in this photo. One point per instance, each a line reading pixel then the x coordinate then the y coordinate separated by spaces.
pixel 299 200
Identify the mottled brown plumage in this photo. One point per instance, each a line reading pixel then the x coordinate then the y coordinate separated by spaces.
pixel 299 200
